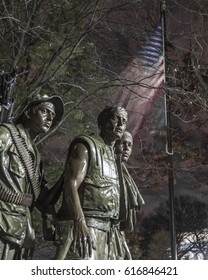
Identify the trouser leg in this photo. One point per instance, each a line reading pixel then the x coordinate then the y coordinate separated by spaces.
pixel 7 250
pixel 24 254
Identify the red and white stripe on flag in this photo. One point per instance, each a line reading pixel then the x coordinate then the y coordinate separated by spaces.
pixel 141 82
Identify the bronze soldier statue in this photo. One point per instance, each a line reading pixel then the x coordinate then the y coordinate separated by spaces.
pixel 88 220
pixel 21 174
pixel 134 200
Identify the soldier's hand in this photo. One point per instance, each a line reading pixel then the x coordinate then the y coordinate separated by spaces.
pixel 83 239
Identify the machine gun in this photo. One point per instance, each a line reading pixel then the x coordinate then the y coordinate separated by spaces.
pixel 7 82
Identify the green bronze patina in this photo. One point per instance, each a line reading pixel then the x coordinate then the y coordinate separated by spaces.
pixel 20 168
pixel 88 221
pixel 123 149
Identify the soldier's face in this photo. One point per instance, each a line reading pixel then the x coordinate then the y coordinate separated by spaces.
pixel 116 124
pixel 124 146
pixel 42 116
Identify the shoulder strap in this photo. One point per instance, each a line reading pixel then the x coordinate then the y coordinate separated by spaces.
pixel 25 158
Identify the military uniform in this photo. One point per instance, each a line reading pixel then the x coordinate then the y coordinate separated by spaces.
pixel 16 229
pixel 100 199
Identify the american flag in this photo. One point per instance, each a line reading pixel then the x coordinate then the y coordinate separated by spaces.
pixel 141 82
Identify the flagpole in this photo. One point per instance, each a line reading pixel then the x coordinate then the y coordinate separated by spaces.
pixel 169 148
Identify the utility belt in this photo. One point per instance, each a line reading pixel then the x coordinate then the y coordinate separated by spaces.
pixel 105 224
pixel 8 195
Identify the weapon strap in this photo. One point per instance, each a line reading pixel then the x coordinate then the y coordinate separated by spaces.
pixel 25 158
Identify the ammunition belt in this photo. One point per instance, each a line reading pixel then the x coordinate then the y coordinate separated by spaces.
pixel 8 195
pixel 25 158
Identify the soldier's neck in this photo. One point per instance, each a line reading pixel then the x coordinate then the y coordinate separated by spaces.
pixel 108 140
pixel 31 134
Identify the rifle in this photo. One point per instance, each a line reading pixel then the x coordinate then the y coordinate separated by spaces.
pixel 7 83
